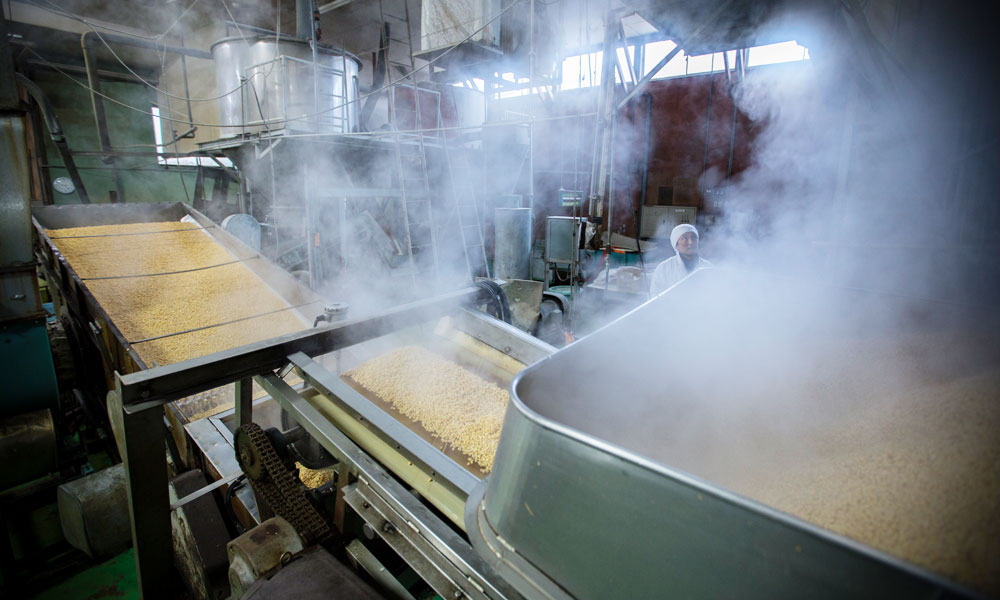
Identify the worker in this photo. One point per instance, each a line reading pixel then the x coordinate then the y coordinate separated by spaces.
pixel 684 241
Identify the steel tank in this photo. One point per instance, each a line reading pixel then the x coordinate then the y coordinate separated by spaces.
pixel 512 246
pixel 231 57
pixel 281 90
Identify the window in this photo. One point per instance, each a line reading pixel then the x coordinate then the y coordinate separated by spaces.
pixel 584 70
pixel 193 161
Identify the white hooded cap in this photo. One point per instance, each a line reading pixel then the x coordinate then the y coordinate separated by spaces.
pixel 679 231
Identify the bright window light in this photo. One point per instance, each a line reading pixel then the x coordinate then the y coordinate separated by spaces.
pixel 624 60
pixel 191 161
pixel 477 84
pixel 776 53
pixel 703 63
pixel 656 51
pixel 571 73
pixel 584 70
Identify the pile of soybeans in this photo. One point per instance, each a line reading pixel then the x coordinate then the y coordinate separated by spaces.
pixel 457 407
pixel 162 295
pixel 893 442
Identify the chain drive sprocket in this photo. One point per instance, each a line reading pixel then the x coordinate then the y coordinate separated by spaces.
pixel 282 491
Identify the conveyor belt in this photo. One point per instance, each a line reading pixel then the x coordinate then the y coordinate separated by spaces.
pixel 173 291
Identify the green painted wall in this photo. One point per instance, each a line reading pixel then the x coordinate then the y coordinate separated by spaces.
pixel 143 179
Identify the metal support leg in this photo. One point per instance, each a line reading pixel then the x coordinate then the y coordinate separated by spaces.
pixel 244 401
pixel 244 415
pixel 148 500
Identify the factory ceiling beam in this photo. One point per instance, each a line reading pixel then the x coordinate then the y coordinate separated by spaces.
pixel 325 8
pixel 50 31
pixel 692 39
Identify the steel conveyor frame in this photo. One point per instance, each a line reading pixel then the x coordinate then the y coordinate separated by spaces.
pixel 443 558
pixel 439 554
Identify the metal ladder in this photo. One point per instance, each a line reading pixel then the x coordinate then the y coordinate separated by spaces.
pixel 411 168
pixel 466 209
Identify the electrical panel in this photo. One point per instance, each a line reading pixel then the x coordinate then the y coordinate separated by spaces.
pixel 658 221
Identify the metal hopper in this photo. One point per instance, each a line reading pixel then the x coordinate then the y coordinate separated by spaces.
pixel 616 466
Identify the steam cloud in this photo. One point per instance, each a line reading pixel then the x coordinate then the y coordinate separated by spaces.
pixel 868 181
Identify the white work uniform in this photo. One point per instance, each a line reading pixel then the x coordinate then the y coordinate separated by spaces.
pixel 671 271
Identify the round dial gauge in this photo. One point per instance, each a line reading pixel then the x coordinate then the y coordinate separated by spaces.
pixel 64 185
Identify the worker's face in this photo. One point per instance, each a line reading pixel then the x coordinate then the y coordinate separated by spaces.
pixel 687 245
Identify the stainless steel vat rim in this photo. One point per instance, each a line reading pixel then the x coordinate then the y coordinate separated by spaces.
pixel 286 39
pixel 482 534
pixel 717 491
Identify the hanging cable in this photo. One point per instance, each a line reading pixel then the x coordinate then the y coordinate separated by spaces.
pixel 70 15
pixel 427 65
pixel 228 502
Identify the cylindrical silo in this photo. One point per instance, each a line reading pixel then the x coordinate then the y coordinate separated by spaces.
pixel 274 86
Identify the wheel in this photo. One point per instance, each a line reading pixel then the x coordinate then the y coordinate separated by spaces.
pixel 248 457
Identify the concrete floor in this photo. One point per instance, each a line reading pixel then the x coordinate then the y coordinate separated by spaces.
pixel 114 578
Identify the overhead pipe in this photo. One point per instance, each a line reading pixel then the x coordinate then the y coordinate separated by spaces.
pixel 55 133
pixel 187 92
pixel 740 69
pixel 379 76
pixel 105 74
pixel 708 115
pixel 303 19
pixel 97 101
pixel 605 113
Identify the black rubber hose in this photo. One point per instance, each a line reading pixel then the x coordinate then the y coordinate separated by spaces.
pixel 490 297
pixel 497 298
pixel 505 304
pixel 227 503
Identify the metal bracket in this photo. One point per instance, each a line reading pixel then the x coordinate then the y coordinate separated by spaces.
pixel 404 538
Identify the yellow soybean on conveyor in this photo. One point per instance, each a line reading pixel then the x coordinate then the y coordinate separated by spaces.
pixel 154 290
pixel 148 289
pixel 158 290
pixel 172 290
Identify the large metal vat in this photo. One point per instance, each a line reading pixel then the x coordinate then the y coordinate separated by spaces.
pixel 279 90
pixel 617 469
pixel 231 57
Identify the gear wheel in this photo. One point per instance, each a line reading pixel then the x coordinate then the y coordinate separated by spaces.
pixel 271 480
pixel 248 457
